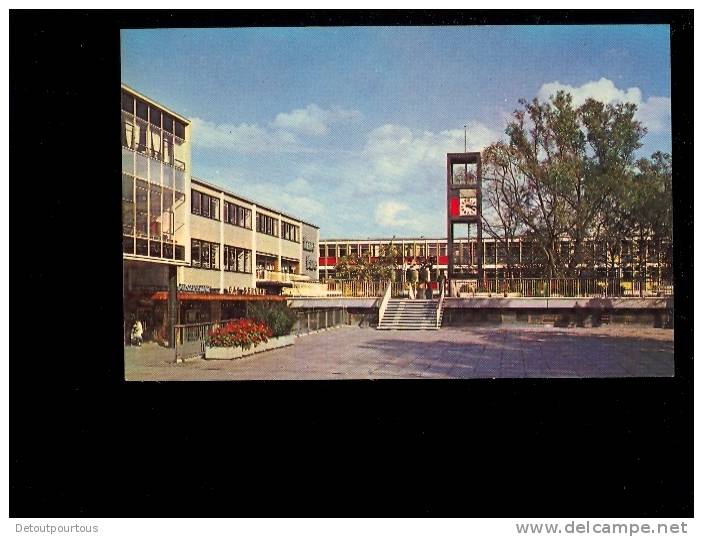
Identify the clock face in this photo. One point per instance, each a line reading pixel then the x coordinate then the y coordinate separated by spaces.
pixel 467 206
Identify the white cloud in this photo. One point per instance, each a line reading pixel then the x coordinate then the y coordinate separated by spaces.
pixel 654 112
pixel 403 219
pixel 387 213
pixel 244 138
pixel 313 120
pixel 396 157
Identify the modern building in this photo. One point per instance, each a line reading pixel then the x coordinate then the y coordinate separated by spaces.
pixel 241 248
pixel 194 251
pixel 521 260
pixel 156 165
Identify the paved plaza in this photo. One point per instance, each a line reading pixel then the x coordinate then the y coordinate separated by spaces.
pixel 495 352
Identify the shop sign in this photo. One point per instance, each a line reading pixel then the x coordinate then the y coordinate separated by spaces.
pixel 308 245
pixel 193 288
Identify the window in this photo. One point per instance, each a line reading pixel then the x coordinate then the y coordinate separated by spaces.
pixel 127 102
pixel 236 215
pixel 155 142
pixel 215 256
pixel 204 254
pixel 168 217
pixel 240 260
pixel 180 130
pixel 214 208
pixel 464 174
pixel 142 247
pixel 142 110
pixel 168 123
pixel 127 245
pixel 142 197
pixel 205 205
pixel 237 259
pixel 155 212
pixel 128 130
pixel 195 202
pixel 155 116
pixel 289 231
pixel 266 224
pixel 195 253
pixel 167 148
pixel 154 249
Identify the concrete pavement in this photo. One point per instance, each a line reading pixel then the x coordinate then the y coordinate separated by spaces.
pixel 480 352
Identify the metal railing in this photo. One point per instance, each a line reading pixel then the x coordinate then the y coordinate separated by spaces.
pixel 312 320
pixel 358 288
pixel 440 305
pixel 565 287
pixel 189 339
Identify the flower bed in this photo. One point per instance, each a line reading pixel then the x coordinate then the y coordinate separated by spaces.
pixel 241 338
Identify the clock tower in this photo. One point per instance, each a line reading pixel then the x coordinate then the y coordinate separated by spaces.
pixel 464 246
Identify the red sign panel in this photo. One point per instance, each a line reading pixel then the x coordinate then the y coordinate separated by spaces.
pixel 454 206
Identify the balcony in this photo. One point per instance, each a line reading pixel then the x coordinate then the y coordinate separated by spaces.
pixel 283 277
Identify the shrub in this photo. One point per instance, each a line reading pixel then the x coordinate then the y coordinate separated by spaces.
pixel 277 315
pixel 240 333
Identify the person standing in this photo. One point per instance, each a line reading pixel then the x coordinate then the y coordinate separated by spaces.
pixel 137 332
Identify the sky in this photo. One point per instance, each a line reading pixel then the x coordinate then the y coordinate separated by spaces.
pixel 348 127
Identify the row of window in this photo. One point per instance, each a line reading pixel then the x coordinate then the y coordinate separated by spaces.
pixel 290 232
pixel 148 210
pixel 237 215
pixel 153 248
pixel 152 170
pixel 209 206
pixel 153 115
pixel 206 255
pixel 237 259
pixel 266 224
pixel 205 205
pixel 153 142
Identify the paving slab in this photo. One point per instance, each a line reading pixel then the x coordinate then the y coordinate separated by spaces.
pixel 517 351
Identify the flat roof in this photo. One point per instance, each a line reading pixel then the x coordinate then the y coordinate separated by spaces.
pixel 155 103
pixel 387 239
pixel 199 181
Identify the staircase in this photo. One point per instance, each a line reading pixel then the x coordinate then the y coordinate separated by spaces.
pixel 406 314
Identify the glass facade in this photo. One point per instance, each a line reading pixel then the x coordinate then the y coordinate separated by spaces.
pixel 153 190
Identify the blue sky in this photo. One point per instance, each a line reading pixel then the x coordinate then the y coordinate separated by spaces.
pixel 348 127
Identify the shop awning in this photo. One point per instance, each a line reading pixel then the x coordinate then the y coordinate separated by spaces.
pixel 216 297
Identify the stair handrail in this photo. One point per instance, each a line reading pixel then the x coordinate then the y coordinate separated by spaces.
pixel 384 302
pixel 440 304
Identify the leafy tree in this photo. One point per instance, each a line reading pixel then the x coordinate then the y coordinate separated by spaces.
pixel 367 268
pixel 563 173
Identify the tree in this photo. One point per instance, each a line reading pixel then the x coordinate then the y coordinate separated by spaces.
pixel 560 173
pixel 355 267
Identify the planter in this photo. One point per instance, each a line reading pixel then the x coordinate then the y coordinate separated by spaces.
pixel 232 353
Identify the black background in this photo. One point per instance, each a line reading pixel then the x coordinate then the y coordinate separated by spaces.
pixel 85 443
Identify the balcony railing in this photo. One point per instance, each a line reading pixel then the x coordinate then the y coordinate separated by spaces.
pixel 564 287
pixel 517 287
pixel 356 288
pixel 276 276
